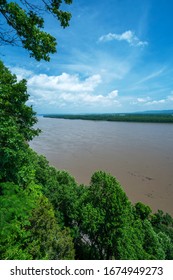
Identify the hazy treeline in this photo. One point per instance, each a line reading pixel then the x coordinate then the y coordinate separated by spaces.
pixel 45 214
pixel 142 117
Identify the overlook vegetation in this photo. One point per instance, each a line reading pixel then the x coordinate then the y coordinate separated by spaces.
pixel 45 214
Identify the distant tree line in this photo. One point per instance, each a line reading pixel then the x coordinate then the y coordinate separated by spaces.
pixel 133 117
pixel 45 214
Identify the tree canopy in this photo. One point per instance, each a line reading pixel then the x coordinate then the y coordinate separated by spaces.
pixel 22 23
pixel 29 228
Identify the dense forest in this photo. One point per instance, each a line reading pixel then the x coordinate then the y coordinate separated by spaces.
pixel 45 214
pixel 166 117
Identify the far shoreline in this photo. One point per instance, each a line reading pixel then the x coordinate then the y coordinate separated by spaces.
pixel 121 117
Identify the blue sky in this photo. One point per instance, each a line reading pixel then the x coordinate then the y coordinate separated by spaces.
pixel 116 56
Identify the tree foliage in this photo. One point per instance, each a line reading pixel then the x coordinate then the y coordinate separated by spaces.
pixel 60 188
pixel 47 240
pixel 16 208
pixel 163 225
pixel 26 22
pixel 104 215
pixel 13 98
pixel 28 227
pixel 16 129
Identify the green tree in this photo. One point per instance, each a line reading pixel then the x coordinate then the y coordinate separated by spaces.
pixel 16 208
pixel 13 98
pixel 163 225
pixel 28 227
pixel 142 210
pixel 16 129
pixel 107 223
pixel 151 242
pixel 156 243
pixel 61 189
pixel 47 240
pixel 26 22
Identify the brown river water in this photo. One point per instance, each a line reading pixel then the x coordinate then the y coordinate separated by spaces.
pixel 139 155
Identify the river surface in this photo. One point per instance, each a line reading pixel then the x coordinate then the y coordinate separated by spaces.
pixel 139 155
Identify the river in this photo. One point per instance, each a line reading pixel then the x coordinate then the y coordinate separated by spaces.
pixel 139 155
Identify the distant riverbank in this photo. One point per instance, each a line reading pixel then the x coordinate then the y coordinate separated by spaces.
pixel 145 118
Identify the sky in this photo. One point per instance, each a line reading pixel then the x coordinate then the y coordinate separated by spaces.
pixel 116 56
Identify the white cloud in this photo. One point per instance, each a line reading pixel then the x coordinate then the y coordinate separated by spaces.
pixel 168 99
pixel 65 82
pixel 127 36
pixel 155 102
pixel 113 94
pixel 66 89
pixel 76 99
pixel 149 101
pixel 89 99
pixel 143 100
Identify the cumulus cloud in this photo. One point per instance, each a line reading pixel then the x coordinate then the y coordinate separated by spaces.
pixel 87 99
pixel 128 36
pixel 66 89
pixel 167 100
pixel 155 102
pixel 149 101
pixel 65 82
pixel 69 98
